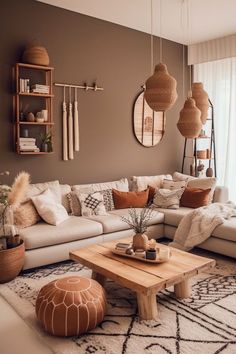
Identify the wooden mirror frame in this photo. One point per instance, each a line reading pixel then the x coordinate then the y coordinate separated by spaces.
pixel 149 126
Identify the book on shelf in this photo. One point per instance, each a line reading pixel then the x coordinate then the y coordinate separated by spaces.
pixel 24 140
pixel 29 148
pixel 40 91
pixel 24 85
pixel 40 86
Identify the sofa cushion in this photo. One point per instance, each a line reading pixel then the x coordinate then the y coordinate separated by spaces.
pixel 139 183
pixel 38 188
pixel 173 217
pixel 121 185
pixel 227 230
pixel 113 223
pixel 65 189
pixel 131 199
pixel 74 228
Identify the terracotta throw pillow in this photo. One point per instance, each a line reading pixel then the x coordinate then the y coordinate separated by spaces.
pixel 26 215
pixel 124 200
pixel 195 197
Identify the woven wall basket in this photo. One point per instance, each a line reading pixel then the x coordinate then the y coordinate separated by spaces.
pixel 190 123
pixel 201 99
pixel 160 92
pixel 36 55
pixel 11 262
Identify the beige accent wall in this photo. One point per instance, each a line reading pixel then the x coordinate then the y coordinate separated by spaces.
pixel 82 48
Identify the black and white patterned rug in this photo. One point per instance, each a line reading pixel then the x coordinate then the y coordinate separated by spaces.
pixel 204 323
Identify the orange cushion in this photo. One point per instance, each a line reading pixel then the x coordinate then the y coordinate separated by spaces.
pixel 124 200
pixel 195 197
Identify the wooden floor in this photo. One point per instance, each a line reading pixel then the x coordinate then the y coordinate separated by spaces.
pixel 144 278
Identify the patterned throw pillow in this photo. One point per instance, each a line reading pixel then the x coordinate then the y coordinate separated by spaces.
pixel 167 199
pixel 92 204
pixel 75 206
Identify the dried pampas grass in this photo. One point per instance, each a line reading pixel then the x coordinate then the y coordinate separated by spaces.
pixel 18 190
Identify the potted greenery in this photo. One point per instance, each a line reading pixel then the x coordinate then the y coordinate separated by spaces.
pixel 138 221
pixel 12 249
pixel 46 141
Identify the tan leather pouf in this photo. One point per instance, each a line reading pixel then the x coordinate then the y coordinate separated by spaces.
pixel 70 306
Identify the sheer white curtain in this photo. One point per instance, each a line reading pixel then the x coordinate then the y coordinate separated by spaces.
pixel 219 79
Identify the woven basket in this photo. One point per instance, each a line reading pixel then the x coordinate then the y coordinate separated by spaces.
pixel 36 55
pixel 202 154
pixel 160 92
pixel 201 99
pixel 190 123
pixel 11 262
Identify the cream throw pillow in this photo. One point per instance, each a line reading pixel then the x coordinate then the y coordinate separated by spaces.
pixel 49 209
pixel 38 188
pixel 140 183
pixel 167 199
pixel 167 184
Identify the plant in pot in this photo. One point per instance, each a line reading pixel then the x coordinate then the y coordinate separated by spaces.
pixel 46 141
pixel 11 247
pixel 138 221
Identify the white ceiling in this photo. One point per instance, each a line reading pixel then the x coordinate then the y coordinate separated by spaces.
pixel 208 19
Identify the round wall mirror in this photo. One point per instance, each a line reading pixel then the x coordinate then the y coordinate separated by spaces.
pixel 149 126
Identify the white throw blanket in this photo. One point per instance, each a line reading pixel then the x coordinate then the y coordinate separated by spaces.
pixel 198 225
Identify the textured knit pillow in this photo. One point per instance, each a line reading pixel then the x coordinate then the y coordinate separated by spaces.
pixel 92 204
pixel 195 197
pixel 140 183
pixel 167 199
pixel 124 200
pixel 26 215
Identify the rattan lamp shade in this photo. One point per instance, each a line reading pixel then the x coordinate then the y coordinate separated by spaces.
pixel 201 99
pixel 160 92
pixel 190 123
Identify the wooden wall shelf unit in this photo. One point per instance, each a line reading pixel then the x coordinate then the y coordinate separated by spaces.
pixel 34 102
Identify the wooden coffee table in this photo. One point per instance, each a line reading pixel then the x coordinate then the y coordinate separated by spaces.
pixel 145 279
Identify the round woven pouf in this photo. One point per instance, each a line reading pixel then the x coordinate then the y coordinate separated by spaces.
pixel 70 306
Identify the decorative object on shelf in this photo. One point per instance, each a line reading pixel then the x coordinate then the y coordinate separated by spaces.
pixel 138 221
pixel 12 248
pixel 209 172
pixel 201 98
pixel 160 88
pixel 149 126
pixel 189 123
pixel 208 153
pixel 201 154
pixel 35 54
pixel 30 117
pixel 46 141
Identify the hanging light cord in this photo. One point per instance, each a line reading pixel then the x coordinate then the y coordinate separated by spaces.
pixel 151 46
pixel 183 23
pixel 160 23
pixel 189 41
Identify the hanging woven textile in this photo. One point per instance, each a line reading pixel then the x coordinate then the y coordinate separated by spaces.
pixel 70 129
pixel 64 128
pixel 76 123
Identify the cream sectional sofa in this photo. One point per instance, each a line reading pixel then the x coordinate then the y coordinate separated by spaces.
pixel 46 244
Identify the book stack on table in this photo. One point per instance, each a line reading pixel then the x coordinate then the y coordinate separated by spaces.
pixel 28 145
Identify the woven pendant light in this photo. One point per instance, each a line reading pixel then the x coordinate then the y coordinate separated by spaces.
pixel 201 99
pixel 160 92
pixel 190 123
